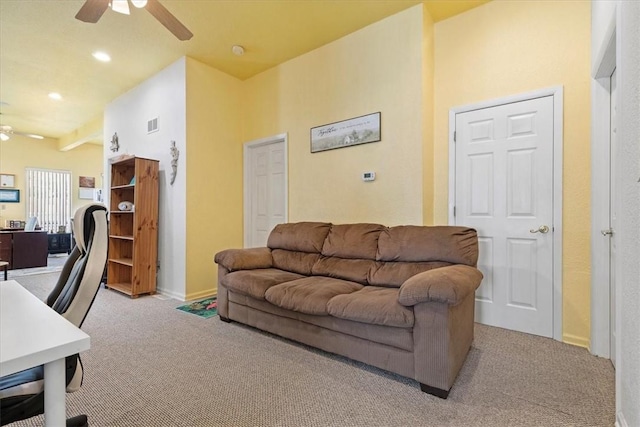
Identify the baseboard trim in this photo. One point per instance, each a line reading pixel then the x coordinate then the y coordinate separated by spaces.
pixel 202 294
pixel 576 340
pixel 620 421
pixel 175 295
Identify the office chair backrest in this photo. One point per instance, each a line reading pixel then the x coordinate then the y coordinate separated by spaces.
pixel 73 295
pixel 31 224
pixel 22 393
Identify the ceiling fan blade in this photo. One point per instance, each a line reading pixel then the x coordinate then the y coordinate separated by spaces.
pixel 92 10
pixel 168 20
pixel 29 135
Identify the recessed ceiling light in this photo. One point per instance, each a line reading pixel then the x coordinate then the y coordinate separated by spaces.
pixel 55 95
pixel 101 56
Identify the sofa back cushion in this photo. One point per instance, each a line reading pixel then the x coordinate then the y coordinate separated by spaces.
pixel 392 274
pixel 355 270
pixel 412 243
pixel 354 241
pixel 294 261
pixel 301 236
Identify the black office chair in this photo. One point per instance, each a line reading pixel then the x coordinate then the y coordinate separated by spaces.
pixel 22 393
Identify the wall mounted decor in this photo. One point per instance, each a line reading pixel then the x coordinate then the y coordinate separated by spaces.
pixel 85 193
pixel 7 180
pixel 9 196
pixel 356 131
pixel 115 146
pixel 87 182
pixel 174 161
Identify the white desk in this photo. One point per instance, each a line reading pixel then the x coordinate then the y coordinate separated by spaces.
pixel 32 334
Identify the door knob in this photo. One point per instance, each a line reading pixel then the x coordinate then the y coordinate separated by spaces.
pixel 607 232
pixel 542 229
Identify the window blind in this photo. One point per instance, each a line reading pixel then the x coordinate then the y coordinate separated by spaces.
pixel 49 197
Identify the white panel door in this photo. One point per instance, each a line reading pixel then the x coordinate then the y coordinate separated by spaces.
pixel 504 189
pixel 266 191
pixel 613 218
pixel 260 196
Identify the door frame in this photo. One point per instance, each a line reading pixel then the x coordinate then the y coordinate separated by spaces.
pixel 603 67
pixel 557 93
pixel 247 172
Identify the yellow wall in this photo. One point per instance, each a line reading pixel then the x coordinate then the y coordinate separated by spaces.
pixel 21 152
pixel 428 69
pixel 214 178
pixel 378 68
pixel 505 48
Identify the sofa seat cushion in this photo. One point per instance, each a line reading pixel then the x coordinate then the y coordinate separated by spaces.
pixel 310 294
pixel 255 283
pixel 374 305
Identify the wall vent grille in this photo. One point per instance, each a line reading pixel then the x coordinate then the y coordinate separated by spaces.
pixel 152 125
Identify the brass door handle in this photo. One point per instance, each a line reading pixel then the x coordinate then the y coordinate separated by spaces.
pixel 542 229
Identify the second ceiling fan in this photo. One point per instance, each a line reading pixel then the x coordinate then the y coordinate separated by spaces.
pixel 92 10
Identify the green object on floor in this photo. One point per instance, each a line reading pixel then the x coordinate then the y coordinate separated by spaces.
pixel 206 308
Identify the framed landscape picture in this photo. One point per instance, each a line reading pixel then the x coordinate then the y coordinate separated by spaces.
pixel 356 131
pixel 9 196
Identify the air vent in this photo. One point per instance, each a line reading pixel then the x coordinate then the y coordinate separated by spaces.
pixel 152 125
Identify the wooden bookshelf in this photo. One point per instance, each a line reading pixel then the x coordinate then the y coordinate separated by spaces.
pixel 133 235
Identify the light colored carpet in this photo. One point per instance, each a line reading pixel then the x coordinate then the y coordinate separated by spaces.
pixel 153 365
pixel 55 262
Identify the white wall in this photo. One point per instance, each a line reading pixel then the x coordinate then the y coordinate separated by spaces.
pixel 628 65
pixel 627 22
pixel 162 96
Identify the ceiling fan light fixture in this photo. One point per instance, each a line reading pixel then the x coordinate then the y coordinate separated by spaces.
pixel 4 136
pixel 120 6
pixel 139 3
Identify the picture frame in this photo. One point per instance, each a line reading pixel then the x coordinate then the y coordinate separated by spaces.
pixel 87 182
pixel 346 133
pixel 7 180
pixel 9 196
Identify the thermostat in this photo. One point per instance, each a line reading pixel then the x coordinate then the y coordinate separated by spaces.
pixel 368 176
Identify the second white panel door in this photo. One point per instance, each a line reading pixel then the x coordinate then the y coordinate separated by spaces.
pixel 504 189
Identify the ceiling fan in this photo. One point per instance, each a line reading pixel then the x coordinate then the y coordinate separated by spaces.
pixel 6 131
pixel 92 10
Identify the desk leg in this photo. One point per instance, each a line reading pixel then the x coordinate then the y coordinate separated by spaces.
pixel 54 394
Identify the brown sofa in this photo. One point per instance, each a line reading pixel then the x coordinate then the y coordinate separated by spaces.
pixel 398 298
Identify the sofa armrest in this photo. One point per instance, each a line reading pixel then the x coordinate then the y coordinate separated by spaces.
pixel 449 285
pixel 244 259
